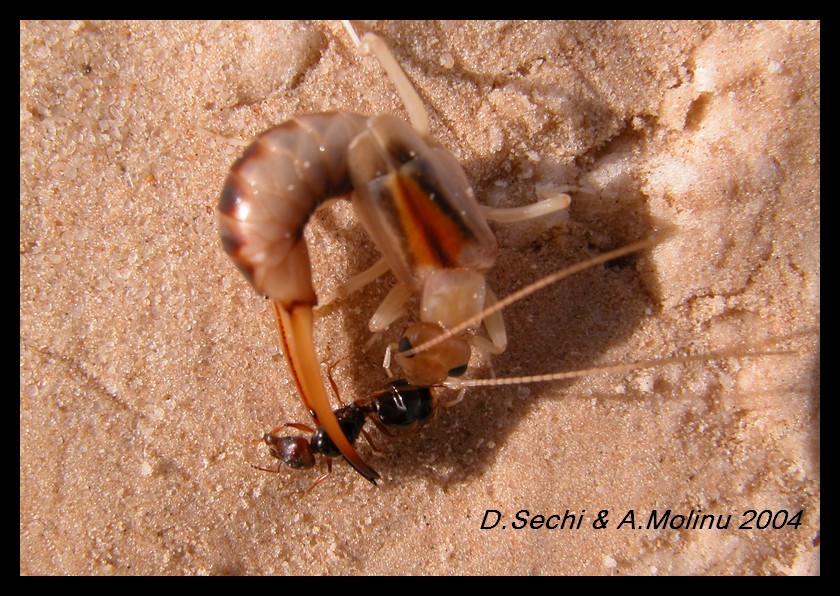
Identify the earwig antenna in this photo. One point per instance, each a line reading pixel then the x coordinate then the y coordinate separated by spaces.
pixel 453 383
pixel 352 32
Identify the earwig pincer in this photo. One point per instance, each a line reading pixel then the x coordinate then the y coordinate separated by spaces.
pixel 413 199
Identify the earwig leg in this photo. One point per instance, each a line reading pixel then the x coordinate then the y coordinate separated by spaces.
pixel 391 308
pixel 357 282
pixel 495 325
pixel 410 98
pixel 386 360
pixel 457 400
pixel 222 138
pixel 551 204
pixel 485 346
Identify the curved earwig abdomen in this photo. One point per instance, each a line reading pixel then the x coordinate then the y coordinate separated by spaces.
pixel 271 192
pixel 269 196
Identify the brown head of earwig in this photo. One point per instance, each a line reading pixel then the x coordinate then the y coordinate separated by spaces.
pixel 449 358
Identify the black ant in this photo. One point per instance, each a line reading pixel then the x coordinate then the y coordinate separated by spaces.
pixel 397 410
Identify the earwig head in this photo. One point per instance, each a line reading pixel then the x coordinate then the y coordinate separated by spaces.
pixel 447 359
pixel 295 452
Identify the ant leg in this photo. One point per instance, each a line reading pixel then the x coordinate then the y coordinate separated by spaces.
pixel 333 383
pixel 368 438
pixel 385 430
pixel 320 479
pixel 274 471
pixel 295 425
pixel 410 98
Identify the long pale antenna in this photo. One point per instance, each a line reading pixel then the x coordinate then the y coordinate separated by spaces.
pixel 455 383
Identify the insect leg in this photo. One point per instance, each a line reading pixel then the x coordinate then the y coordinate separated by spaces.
pixel 320 479
pixel 371 43
pixel 357 282
pixel 391 308
pixel 551 204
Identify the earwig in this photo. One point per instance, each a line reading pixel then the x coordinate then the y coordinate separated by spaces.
pixel 413 199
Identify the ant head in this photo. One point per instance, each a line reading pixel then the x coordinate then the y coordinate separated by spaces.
pixel 295 452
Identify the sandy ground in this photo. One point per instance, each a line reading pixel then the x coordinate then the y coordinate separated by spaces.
pixel 149 368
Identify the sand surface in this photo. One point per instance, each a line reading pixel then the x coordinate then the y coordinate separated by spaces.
pixel 149 368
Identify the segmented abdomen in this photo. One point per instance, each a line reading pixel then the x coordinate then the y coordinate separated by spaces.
pixel 273 189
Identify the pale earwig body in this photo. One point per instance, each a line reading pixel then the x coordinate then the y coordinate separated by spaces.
pixel 414 200
pixel 416 204
pixel 411 196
